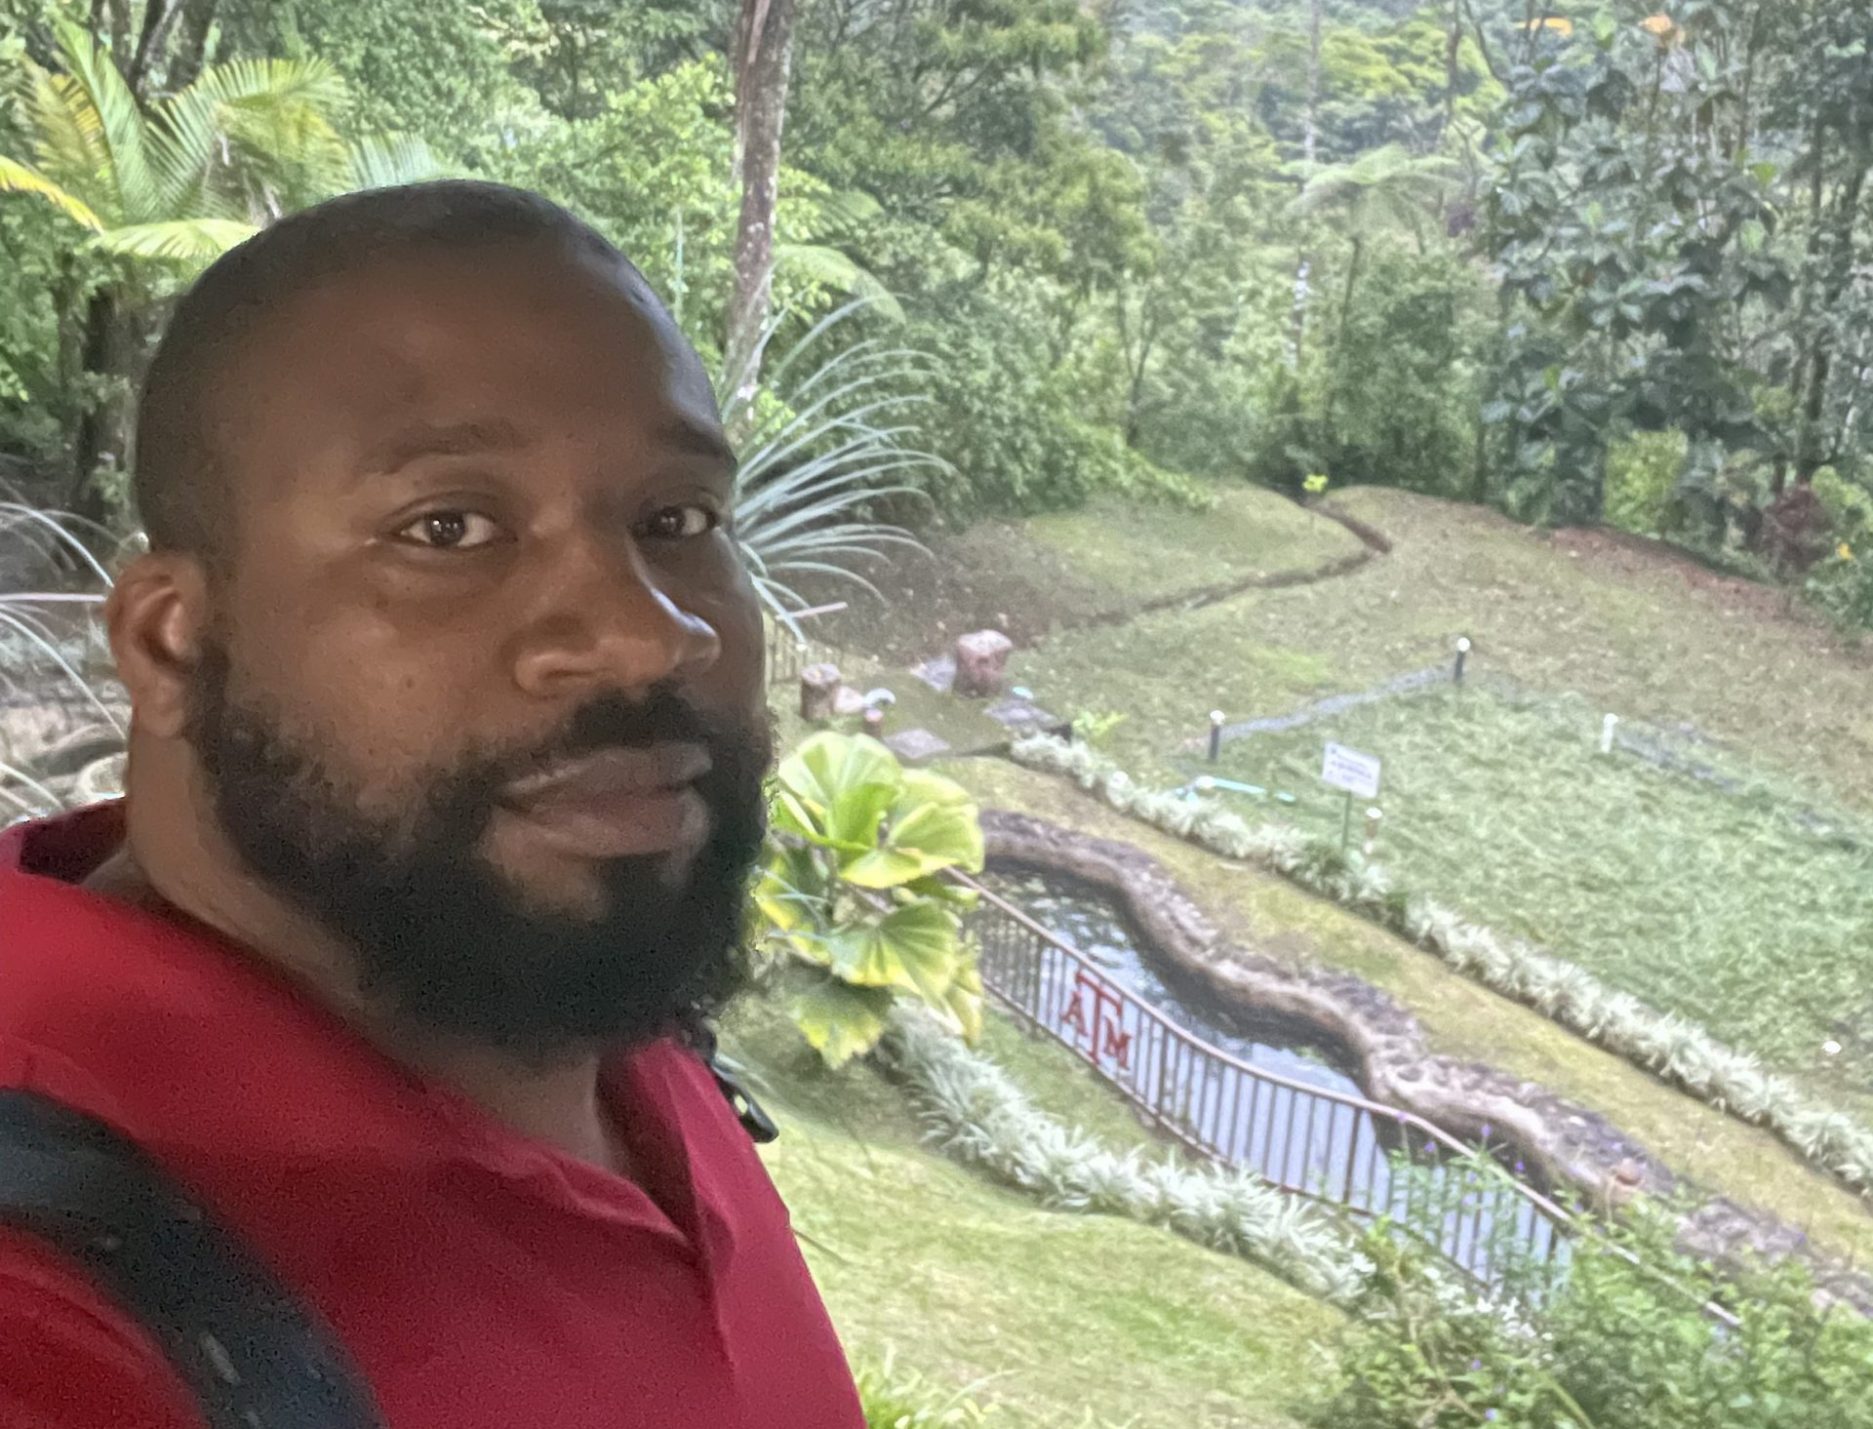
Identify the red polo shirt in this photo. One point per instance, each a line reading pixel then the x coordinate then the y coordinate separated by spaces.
pixel 480 1280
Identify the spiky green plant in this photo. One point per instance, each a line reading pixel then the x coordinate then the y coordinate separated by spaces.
pixel 826 438
pixel 51 640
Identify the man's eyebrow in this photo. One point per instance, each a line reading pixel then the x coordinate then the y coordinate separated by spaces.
pixel 423 439
pixel 695 439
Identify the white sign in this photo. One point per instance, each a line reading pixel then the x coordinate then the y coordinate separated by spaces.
pixel 1348 769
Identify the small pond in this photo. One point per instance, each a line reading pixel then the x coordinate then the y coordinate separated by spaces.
pixel 1305 1137
pixel 1084 917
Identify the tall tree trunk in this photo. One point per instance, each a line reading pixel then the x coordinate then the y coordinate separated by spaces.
pixel 1353 266
pixel 99 351
pixel 1310 151
pixel 159 17
pixel 1811 453
pixel 1310 138
pixel 1453 53
pixel 763 60
pixel 185 66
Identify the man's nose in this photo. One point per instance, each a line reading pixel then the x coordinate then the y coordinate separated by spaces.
pixel 599 618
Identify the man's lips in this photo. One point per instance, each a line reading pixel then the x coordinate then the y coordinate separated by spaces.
pixel 615 803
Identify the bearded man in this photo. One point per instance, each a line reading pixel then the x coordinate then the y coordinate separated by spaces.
pixel 447 743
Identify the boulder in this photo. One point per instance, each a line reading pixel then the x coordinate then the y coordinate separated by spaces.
pixel 982 663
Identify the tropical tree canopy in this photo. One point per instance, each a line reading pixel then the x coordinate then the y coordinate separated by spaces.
pixel 188 176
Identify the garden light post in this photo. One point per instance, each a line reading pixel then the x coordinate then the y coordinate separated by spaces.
pixel 1216 735
pixel 1463 655
pixel 1607 727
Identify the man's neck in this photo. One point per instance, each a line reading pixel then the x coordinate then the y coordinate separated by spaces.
pixel 556 1101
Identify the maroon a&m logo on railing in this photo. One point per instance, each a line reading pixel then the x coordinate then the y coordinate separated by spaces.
pixel 1102 1033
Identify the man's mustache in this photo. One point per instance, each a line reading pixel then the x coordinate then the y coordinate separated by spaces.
pixel 663 716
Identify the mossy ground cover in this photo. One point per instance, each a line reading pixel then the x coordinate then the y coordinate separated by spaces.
pixel 1053 1315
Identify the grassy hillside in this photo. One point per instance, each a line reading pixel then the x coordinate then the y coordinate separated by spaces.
pixel 1748 909
pixel 1056 572
pixel 1741 902
pixel 1629 626
pixel 1053 1315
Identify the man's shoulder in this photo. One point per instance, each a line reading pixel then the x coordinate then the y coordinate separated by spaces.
pixel 69 1358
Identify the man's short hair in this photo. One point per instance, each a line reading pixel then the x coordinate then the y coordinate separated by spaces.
pixel 180 478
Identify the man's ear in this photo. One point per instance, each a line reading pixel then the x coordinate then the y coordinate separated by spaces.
pixel 158 616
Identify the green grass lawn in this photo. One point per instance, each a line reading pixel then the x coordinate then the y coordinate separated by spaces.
pixel 1053 1315
pixel 1061 571
pixel 1644 633
pixel 1714 906
pixel 1130 555
pixel 1463 1019
pixel 1723 907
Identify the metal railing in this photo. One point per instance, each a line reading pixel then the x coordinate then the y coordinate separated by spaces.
pixel 788 653
pixel 1366 1159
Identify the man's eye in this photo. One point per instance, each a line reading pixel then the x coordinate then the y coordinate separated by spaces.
pixel 451 531
pixel 682 523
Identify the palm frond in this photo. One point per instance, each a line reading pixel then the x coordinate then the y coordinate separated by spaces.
pixel 255 136
pixel 180 240
pixel 388 160
pixel 16 177
pixel 822 457
pixel 68 139
pixel 120 124
pixel 831 268
pixel 1388 181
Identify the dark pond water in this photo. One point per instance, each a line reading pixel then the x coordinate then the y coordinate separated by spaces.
pixel 1303 1137
pixel 1086 919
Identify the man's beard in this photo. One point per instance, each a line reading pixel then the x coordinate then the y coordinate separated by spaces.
pixel 442 940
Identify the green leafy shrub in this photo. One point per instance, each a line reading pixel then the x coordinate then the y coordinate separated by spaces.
pixel 1641 474
pixel 1004 415
pixel 1390 397
pixel 1622 1342
pixel 853 895
pixel 1400 387
pixel 1843 587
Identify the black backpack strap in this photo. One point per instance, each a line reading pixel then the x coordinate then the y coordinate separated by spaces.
pixel 699 1035
pixel 253 1355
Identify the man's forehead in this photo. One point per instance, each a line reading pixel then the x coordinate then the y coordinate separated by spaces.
pixel 478 336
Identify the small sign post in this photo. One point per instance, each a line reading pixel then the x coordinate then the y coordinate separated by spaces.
pixel 1357 775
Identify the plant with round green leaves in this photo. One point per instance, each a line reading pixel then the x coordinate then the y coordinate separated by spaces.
pixel 854 897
